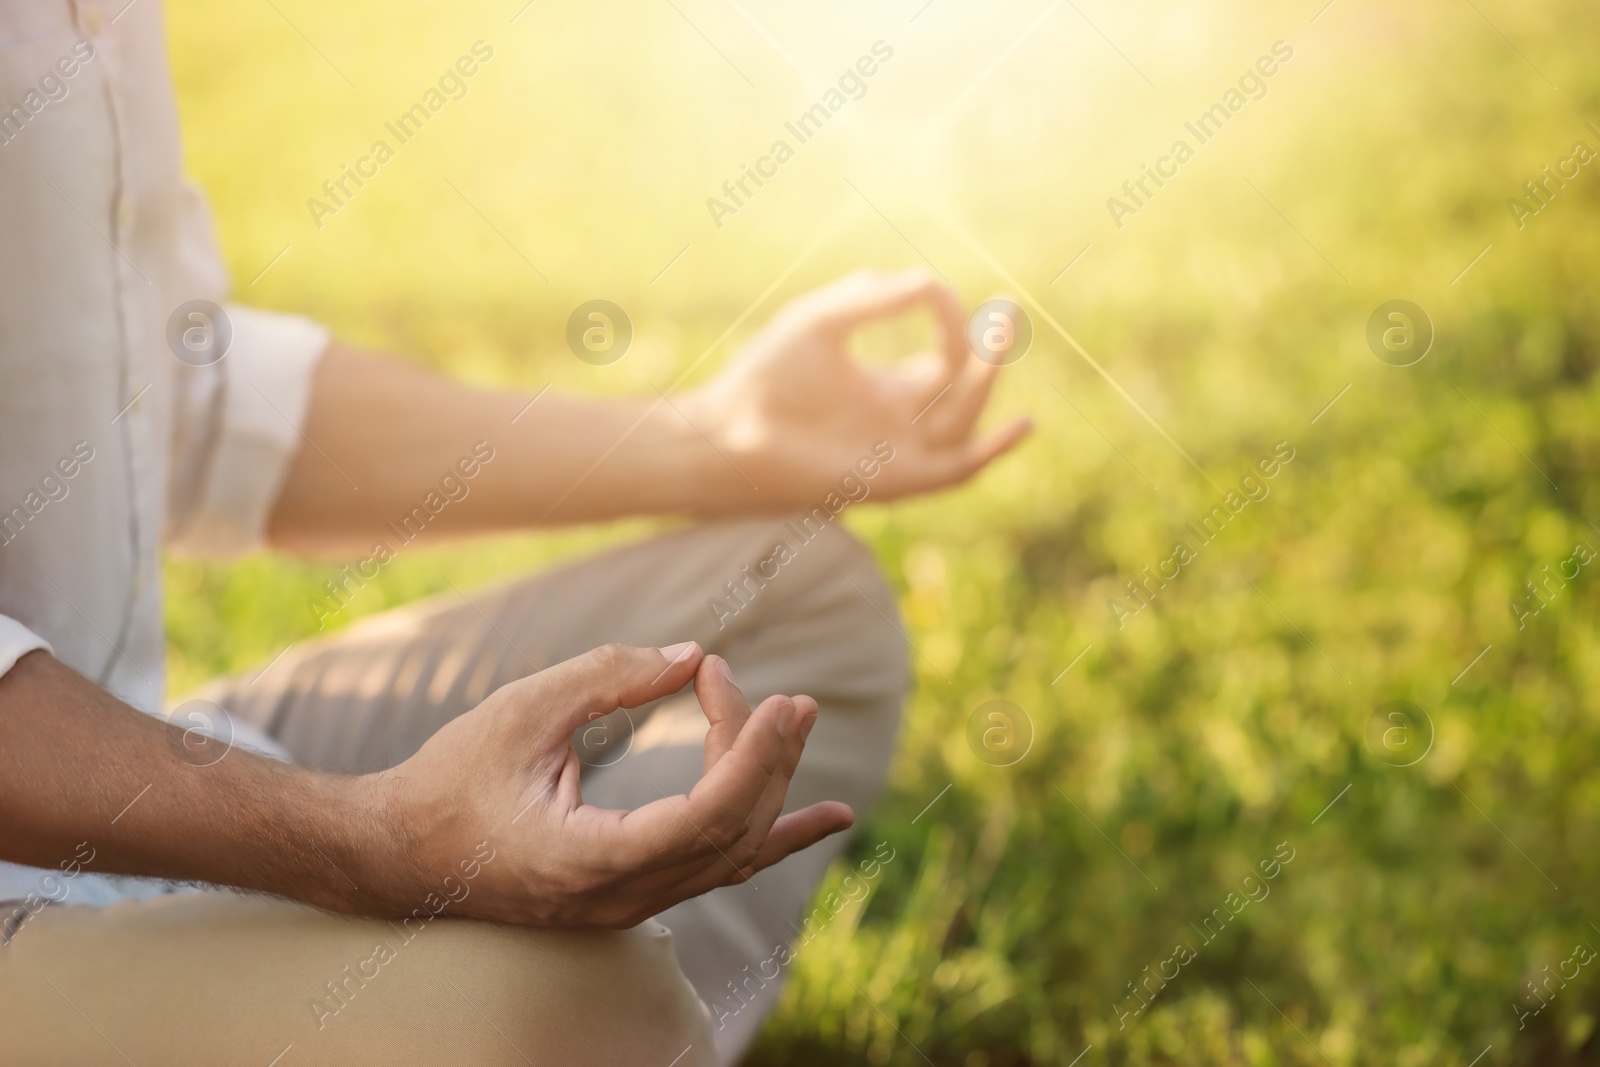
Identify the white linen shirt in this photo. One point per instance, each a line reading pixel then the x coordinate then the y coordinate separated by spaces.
pixel 108 442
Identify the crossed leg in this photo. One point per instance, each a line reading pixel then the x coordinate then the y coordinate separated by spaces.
pixel 813 616
pixel 219 979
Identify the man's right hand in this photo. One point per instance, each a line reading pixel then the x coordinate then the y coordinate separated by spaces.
pixel 506 773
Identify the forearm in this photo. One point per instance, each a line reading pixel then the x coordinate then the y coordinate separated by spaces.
pixel 77 765
pixel 383 435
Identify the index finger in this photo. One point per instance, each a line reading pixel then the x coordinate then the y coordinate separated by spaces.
pixel 724 706
pixel 862 298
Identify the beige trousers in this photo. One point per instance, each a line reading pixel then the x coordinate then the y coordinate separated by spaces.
pixel 221 979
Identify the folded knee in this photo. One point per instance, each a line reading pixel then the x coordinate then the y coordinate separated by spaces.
pixel 861 614
pixel 814 605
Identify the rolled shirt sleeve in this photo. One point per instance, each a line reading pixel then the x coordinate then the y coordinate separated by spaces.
pixel 238 422
pixel 16 641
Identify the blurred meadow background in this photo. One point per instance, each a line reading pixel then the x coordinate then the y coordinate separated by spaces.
pixel 1229 721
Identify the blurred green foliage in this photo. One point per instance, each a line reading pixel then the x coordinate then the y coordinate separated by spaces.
pixel 1216 723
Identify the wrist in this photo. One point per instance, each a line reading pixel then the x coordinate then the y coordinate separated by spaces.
pixel 382 873
pixel 712 454
pixel 417 860
pixel 674 450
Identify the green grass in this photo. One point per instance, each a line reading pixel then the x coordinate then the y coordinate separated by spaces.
pixel 1225 717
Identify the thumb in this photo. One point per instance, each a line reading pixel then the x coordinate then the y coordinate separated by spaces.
pixel 952 466
pixel 604 679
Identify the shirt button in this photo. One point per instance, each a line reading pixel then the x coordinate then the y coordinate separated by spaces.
pixel 93 17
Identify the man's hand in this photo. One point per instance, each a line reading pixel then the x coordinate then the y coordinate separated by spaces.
pixel 794 412
pixel 506 773
pixel 389 843
pixel 789 418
